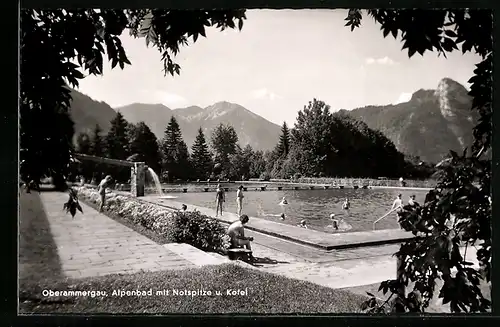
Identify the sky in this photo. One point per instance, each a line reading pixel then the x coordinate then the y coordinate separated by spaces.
pixel 276 64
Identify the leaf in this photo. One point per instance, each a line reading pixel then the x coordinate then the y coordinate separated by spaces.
pixel 450 33
pixel 79 207
pixel 72 210
pixel 370 294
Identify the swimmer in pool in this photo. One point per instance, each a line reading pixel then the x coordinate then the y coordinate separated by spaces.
pixel 283 202
pixel 339 224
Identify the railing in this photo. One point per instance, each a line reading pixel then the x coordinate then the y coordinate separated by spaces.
pixel 360 182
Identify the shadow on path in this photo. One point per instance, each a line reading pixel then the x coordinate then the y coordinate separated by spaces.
pixel 38 257
pixel 260 262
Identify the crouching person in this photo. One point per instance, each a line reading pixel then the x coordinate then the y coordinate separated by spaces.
pixel 236 235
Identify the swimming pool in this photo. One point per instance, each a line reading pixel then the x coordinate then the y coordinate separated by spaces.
pixel 314 206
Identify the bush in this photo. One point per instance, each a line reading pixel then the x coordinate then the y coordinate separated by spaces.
pixel 198 230
pixel 191 227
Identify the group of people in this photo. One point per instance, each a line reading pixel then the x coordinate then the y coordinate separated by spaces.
pixel 220 198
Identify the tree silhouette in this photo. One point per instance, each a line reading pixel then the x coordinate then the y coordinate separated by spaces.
pixel 201 158
pixel 117 139
pixel 456 214
pixel 144 144
pixel 283 146
pixel 175 152
pixel 98 145
pixel 224 143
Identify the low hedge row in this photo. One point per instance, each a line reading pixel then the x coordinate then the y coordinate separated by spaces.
pixel 191 227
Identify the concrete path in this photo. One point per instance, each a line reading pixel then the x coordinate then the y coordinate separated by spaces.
pixel 321 240
pixel 93 244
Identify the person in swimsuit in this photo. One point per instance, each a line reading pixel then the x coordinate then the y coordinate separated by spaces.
pixel 102 190
pixel 220 198
pixel 397 205
pixel 236 231
pixel 283 202
pixel 346 206
pixel 303 224
pixel 239 199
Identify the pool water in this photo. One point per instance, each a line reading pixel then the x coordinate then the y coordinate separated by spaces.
pixel 314 206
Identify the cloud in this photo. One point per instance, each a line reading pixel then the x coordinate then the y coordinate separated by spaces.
pixel 380 61
pixel 166 98
pixel 403 97
pixel 265 94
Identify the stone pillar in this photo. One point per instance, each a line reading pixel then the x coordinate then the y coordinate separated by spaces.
pixel 137 179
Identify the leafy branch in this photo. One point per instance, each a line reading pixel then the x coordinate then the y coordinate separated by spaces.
pixel 457 212
pixel 73 204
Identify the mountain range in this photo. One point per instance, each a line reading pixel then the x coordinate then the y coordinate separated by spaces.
pixel 428 126
pixel 431 124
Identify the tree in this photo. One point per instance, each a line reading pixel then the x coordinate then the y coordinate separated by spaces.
pixel 201 158
pixel 117 141
pixel 313 135
pixel 257 164
pixel 224 143
pixel 144 144
pixel 73 43
pixel 45 151
pixel 83 143
pixel 283 146
pixel 175 152
pixel 457 212
pixel 98 145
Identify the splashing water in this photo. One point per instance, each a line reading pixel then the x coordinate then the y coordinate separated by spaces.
pixel 156 180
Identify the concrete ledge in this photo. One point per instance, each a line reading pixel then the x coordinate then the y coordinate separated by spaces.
pixel 194 255
pixel 317 239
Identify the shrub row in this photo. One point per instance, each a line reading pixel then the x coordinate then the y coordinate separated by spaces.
pixel 191 227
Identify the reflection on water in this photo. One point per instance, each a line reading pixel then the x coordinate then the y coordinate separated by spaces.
pixel 315 206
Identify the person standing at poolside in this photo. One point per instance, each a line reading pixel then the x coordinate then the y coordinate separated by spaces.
pixel 220 198
pixel 239 199
pixel 102 190
pixel 346 206
pixel 397 205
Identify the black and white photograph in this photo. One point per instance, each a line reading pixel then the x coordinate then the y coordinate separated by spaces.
pixel 255 161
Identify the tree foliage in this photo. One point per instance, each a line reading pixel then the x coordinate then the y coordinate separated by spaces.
pixel 201 157
pixel 117 139
pixel 98 145
pixel 456 214
pixel 144 144
pixel 335 144
pixel 224 142
pixel 175 152
pixel 74 44
pixel 283 146
pixel 83 143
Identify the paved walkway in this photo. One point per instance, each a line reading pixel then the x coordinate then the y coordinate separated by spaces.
pixel 321 240
pixel 93 244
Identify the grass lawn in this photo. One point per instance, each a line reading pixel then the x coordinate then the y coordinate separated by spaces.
pixel 40 270
pixel 267 293
pixel 435 306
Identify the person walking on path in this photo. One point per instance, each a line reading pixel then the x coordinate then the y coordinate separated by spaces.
pixel 239 199
pixel 220 198
pixel 103 185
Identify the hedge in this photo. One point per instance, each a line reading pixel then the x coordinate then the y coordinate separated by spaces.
pixel 191 227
